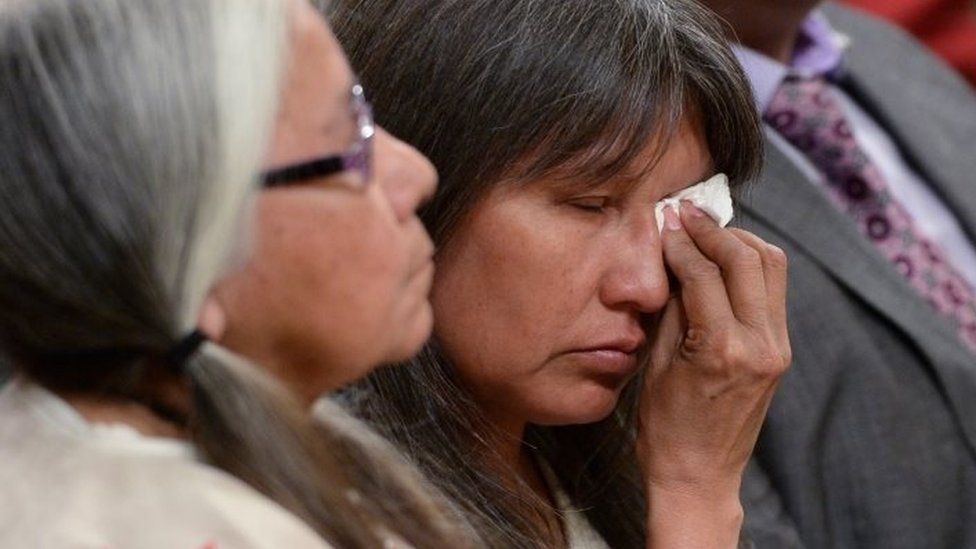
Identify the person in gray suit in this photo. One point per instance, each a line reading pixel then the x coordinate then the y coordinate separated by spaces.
pixel 870 188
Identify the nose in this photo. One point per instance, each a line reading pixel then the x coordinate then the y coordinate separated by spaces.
pixel 405 175
pixel 636 277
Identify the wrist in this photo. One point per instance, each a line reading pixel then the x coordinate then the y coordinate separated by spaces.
pixel 694 515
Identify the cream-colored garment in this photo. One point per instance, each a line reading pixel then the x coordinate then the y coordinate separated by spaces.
pixel 67 483
pixel 579 533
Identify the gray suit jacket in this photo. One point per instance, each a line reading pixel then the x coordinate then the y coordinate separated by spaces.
pixel 871 439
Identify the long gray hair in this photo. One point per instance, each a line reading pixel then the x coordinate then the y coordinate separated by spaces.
pixel 129 149
pixel 502 90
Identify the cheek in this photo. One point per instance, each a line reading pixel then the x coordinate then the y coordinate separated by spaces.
pixel 506 295
pixel 332 266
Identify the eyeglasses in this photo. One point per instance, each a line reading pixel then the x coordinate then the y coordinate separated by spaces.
pixel 358 159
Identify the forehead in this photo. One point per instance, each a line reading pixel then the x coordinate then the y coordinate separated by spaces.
pixel 669 161
pixel 314 99
pixel 317 60
pixel 680 154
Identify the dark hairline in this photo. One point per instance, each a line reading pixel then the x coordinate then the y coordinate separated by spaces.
pixel 560 108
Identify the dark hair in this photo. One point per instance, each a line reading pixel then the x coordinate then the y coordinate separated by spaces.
pixel 481 85
pixel 129 151
pixel 496 89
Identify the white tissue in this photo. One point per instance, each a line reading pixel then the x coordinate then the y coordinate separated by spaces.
pixel 711 196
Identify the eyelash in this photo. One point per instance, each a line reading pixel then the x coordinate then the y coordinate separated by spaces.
pixel 589 203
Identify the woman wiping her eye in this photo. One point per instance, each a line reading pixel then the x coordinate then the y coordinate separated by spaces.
pixel 593 380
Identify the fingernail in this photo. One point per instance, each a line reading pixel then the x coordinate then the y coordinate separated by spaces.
pixel 671 220
pixel 692 209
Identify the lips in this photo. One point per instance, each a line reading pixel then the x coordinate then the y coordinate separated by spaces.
pixel 626 345
pixel 615 356
pixel 422 278
pixel 421 266
pixel 606 361
pixel 425 255
pixel 421 259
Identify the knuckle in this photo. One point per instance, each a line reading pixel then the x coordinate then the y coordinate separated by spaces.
pixel 769 364
pixel 732 351
pixel 729 355
pixel 702 270
pixel 705 349
pixel 746 258
pixel 725 351
pixel 762 360
pixel 775 258
pixel 786 355
pixel 773 359
pixel 695 341
pixel 747 254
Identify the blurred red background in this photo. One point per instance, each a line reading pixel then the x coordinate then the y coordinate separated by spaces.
pixel 948 27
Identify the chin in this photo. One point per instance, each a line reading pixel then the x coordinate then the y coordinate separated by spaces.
pixel 590 403
pixel 350 373
pixel 411 336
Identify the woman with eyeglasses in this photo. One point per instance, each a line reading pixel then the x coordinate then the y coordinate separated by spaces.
pixel 597 375
pixel 170 324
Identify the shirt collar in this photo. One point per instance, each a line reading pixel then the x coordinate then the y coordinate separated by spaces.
pixel 819 52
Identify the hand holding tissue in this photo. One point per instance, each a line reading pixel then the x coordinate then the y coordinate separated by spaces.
pixel 711 196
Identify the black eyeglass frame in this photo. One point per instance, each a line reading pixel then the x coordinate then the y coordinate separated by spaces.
pixel 359 157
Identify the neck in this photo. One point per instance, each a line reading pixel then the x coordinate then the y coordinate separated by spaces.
pixel 139 417
pixel 770 27
pixel 508 437
pixel 303 375
pixel 159 406
pixel 508 440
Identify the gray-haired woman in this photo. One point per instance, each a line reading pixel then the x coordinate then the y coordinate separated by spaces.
pixel 132 139
pixel 556 125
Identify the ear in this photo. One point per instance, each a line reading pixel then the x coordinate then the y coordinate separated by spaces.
pixel 212 320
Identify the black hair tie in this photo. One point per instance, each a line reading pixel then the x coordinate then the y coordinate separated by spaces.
pixel 184 349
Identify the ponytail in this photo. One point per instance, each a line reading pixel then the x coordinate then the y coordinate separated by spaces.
pixel 344 481
pixel 129 150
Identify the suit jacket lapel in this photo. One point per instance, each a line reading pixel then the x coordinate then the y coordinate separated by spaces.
pixel 892 82
pixel 801 213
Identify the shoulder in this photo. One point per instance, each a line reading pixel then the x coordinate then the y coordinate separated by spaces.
pixel 210 507
pixel 144 501
pixel 238 512
pixel 867 29
pixel 65 488
pixel 877 45
pixel 852 20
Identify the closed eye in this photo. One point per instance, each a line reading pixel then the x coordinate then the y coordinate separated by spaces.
pixel 594 204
